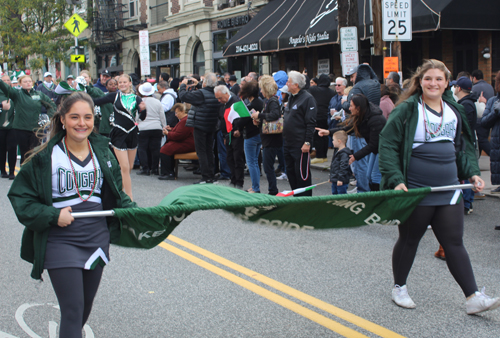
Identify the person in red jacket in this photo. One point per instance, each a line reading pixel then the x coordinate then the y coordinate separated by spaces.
pixel 180 140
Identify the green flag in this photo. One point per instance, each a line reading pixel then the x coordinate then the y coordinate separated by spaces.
pixel 147 227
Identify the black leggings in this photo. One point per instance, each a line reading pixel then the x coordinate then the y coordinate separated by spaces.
pixel 75 290
pixel 448 225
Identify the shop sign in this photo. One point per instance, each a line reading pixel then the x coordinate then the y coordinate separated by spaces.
pixel 324 66
pixel 309 38
pixel 233 22
pixel 249 47
pixel 396 20
pixel 349 60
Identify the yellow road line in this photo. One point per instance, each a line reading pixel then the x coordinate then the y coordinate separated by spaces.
pixel 342 314
pixel 299 309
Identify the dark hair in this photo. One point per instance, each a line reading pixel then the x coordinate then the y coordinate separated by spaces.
pixel 478 74
pixel 463 73
pixel 362 103
pixel 112 79
pixel 394 76
pixel 497 82
pixel 56 125
pixel 197 77
pixel 165 76
pixel 249 89
pixel 315 80
pixel 391 91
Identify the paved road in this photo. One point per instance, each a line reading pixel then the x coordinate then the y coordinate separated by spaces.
pixel 219 277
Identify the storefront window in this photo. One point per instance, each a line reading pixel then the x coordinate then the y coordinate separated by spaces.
pixel 199 59
pixel 152 53
pixel 176 71
pixel 255 67
pixel 164 51
pixel 113 61
pixel 176 52
pixel 153 73
pixel 233 33
pixel 219 41
pixel 221 66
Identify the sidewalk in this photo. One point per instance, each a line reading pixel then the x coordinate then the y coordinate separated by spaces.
pixel 484 166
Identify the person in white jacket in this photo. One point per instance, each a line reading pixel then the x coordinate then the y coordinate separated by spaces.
pixel 150 131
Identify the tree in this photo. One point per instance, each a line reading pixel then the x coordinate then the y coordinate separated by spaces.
pixel 35 28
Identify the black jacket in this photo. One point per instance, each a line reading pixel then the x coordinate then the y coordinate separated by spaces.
pixel 470 108
pixel 370 129
pixel 223 107
pixel 204 114
pixel 235 89
pixel 271 112
pixel 367 84
pixel 50 92
pixel 322 94
pixel 491 119
pixel 300 119
pixel 340 169
pixel 245 124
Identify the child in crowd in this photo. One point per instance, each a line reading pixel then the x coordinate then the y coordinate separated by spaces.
pixel 340 171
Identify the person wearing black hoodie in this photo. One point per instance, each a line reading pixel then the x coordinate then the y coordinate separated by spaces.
pixel 322 94
pixel 367 121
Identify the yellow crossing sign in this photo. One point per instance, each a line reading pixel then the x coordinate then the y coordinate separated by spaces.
pixel 78 58
pixel 76 25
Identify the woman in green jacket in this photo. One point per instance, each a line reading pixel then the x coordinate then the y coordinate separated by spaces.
pixel 74 171
pixel 427 142
pixel 28 103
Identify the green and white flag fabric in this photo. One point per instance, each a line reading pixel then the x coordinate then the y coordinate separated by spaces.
pixel 147 227
pixel 63 88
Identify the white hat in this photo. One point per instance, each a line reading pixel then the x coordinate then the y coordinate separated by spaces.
pixel 146 89
pixel 284 89
pixel 352 71
pixel 47 74
pixel 81 80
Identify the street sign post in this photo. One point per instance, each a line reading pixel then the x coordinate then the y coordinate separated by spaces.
pixel 76 25
pixel 349 39
pixel 78 58
pixel 391 64
pixel 349 61
pixel 144 52
pixel 396 20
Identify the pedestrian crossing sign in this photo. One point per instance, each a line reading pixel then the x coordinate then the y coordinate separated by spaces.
pixel 78 58
pixel 76 25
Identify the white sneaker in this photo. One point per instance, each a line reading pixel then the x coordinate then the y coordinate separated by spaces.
pixel 481 302
pixel 282 177
pixel 400 297
pixel 353 190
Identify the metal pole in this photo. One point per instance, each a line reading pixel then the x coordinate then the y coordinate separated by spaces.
pixel 76 49
pixel 452 187
pixel 104 213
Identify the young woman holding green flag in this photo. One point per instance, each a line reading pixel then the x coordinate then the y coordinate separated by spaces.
pixel 73 171
pixel 427 142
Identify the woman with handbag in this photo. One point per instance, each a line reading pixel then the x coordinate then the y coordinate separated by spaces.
pixel 428 142
pixel 249 93
pixel 271 128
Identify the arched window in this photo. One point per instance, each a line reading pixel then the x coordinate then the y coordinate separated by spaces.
pixel 199 59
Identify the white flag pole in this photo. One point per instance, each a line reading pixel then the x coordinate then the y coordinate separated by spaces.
pixel 104 213
pixel 452 187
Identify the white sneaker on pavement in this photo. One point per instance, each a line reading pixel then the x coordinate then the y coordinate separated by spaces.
pixel 400 297
pixel 481 302
pixel 282 177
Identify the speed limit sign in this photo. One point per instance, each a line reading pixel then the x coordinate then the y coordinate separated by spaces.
pixel 396 20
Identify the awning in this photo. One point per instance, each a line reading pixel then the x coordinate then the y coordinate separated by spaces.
pixel 286 24
pixel 432 15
